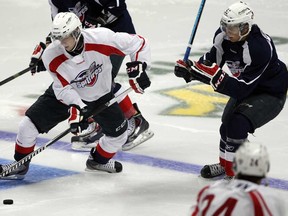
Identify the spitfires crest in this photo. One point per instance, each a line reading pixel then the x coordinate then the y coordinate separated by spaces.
pixel 88 78
pixel 235 68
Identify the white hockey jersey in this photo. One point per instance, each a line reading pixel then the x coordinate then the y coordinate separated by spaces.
pixel 239 198
pixel 88 76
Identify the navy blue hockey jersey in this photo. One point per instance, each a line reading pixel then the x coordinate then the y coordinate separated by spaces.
pixel 94 9
pixel 254 64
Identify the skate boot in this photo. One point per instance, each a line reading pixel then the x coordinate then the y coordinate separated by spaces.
pixel 228 178
pixel 138 131
pixel 213 170
pixel 17 174
pixel 111 167
pixel 86 140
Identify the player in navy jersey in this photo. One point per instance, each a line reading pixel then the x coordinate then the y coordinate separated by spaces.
pixel 257 84
pixel 79 63
pixel 104 13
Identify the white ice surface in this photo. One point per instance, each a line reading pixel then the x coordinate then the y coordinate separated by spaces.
pixel 141 189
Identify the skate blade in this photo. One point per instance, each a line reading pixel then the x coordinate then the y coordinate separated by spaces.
pixel 212 179
pixel 80 146
pixel 146 135
pixel 13 177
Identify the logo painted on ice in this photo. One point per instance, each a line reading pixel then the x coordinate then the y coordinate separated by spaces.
pixel 88 77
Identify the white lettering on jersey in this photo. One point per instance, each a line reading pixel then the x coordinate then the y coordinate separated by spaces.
pixel 88 77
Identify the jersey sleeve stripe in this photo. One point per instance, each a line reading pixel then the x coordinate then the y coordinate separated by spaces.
pixel 257 206
pixel 103 49
pixel 260 197
pixel 143 44
pixel 259 203
pixel 53 66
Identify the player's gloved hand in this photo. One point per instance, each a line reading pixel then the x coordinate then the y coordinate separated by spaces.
pixel 36 62
pixel 77 120
pixel 103 19
pixel 138 78
pixel 209 73
pixel 183 69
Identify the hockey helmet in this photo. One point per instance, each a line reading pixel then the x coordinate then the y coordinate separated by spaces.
pixel 66 24
pixel 239 16
pixel 251 159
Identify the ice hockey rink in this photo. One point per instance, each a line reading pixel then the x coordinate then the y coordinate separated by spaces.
pixel 160 177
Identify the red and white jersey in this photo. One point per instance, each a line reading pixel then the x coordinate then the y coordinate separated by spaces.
pixel 88 76
pixel 238 197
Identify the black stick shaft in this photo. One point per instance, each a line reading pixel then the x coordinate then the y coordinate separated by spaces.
pixel 15 75
pixel 28 157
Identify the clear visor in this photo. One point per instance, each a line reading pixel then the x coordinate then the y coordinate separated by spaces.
pixel 58 36
pixel 230 28
pixel 240 28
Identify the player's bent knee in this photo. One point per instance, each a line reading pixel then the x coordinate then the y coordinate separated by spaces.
pixel 27 132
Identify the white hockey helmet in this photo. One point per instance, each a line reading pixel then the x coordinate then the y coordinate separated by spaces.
pixel 238 15
pixel 66 24
pixel 251 159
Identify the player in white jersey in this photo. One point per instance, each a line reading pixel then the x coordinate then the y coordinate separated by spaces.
pixel 79 62
pixel 244 195
pixel 110 14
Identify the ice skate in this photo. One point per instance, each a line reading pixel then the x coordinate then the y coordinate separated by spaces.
pixel 213 170
pixel 228 178
pixel 17 174
pixel 138 131
pixel 86 140
pixel 111 167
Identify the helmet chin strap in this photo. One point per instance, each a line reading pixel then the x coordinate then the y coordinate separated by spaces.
pixel 242 36
pixel 79 44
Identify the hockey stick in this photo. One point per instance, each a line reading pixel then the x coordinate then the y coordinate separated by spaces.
pixel 192 36
pixel 16 75
pixel 16 164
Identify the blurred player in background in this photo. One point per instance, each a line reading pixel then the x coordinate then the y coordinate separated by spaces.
pixel 244 195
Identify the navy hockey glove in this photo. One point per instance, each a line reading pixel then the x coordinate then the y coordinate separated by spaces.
pixel 138 78
pixel 36 62
pixel 77 119
pixel 183 69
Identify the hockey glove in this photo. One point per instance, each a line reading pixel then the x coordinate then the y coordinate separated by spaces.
pixel 104 19
pixel 183 69
pixel 77 119
pixel 36 62
pixel 209 73
pixel 138 78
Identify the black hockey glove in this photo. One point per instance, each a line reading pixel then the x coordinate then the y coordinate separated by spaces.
pixel 36 62
pixel 138 78
pixel 104 19
pixel 183 69
pixel 77 119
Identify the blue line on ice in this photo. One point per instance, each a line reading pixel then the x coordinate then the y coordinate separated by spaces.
pixel 128 157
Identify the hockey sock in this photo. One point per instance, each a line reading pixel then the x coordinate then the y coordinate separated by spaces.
pixel 101 156
pixel 237 132
pixel 21 152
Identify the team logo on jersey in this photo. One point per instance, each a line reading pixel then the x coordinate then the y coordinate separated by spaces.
pixel 88 77
pixel 79 10
pixel 235 68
